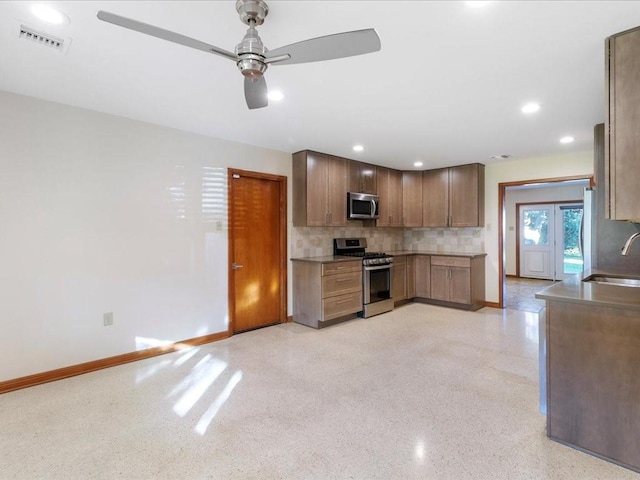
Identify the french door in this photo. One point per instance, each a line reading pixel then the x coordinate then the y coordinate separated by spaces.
pixel 549 240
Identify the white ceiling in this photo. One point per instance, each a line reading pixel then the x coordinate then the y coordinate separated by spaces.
pixel 446 88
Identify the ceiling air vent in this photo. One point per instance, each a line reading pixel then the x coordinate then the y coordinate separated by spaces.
pixel 45 39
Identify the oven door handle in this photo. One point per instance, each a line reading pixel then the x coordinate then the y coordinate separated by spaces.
pixel 377 267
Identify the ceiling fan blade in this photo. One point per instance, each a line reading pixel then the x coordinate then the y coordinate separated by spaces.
pixel 255 92
pixel 163 34
pixel 338 45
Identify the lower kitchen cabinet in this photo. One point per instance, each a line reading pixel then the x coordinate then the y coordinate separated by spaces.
pixel 326 293
pixel 457 281
pixel 399 278
pixel 411 277
pixel 422 276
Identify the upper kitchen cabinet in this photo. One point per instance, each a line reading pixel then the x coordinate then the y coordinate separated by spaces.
pixel 319 190
pixel 412 199
pixel 390 193
pixel 362 177
pixel 622 137
pixel 453 197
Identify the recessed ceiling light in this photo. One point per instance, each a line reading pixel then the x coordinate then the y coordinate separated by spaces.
pixel 477 3
pixel 567 139
pixel 275 95
pixel 417 164
pixel 504 156
pixel 49 14
pixel 358 148
pixel 531 107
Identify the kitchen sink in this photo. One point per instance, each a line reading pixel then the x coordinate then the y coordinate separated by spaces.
pixel 613 280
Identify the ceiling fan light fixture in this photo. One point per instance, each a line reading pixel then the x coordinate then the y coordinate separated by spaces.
pixel 48 14
pixel 531 107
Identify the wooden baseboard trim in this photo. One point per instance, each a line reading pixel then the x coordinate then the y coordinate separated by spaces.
pixel 79 369
pixel 492 304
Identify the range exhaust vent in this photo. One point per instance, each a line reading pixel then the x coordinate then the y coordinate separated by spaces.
pixel 45 39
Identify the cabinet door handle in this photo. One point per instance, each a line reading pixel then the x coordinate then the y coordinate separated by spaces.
pixel 340 302
pixel 236 266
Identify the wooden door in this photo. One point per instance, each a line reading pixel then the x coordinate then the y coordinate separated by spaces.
pixel 412 199
pixel 464 196
pixel 257 250
pixel 336 193
pixel 435 197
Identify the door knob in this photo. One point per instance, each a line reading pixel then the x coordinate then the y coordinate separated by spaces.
pixel 236 266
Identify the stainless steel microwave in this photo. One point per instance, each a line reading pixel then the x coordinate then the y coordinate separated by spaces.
pixel 362 206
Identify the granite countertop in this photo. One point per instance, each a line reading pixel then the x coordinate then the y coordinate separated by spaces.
pixel 339 258
pixel 436 254
pixel 574 290
pixel 327 259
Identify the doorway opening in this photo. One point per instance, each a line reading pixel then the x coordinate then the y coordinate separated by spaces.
pixel 548 243
pixel 510 193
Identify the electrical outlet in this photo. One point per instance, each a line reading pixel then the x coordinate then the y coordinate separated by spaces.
pixel 107 319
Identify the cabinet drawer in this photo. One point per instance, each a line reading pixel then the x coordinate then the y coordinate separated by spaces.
pixel 341 283
pixel 340 305
pixel 340 267
pixel 451 261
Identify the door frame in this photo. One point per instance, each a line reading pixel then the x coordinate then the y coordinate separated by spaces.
pixel 502 228
pixel 282 180
pixel 524 204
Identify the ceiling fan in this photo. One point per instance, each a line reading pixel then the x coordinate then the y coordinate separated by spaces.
pixel 252 57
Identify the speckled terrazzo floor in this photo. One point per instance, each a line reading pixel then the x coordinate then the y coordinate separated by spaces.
pixel 422 392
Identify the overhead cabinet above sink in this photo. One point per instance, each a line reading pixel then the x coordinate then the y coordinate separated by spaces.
pixel 622 141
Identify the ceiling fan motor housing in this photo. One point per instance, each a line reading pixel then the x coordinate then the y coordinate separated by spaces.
pixel 251 52
pixel 252 11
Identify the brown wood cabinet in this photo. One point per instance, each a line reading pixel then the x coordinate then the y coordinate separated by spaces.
pixel 399 278
pixel 458 280
pixel 593 381
pixel 324 293
pixel 622 126
pixel 412 199
pixel 362 177
pixel 390 193
pixel 411 276
pixel 319 190
pixel 454 196
pixel 423 276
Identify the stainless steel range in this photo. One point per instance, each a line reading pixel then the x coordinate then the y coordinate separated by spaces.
pixel 376 275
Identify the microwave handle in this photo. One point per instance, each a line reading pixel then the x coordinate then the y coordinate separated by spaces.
pixel 373 207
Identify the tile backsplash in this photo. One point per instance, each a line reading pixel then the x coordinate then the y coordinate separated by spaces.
pixel 445 240
pixel 318 241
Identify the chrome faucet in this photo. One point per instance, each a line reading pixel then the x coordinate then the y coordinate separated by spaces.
pixel 625 249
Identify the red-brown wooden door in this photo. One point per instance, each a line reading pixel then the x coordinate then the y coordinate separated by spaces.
pixel 257 250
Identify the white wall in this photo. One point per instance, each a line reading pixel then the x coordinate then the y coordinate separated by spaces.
pixel 569 165
pixel 105 214
pixel 532 195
